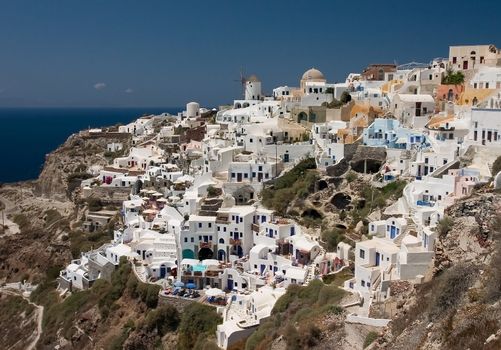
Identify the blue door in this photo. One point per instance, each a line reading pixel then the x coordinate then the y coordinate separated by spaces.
pixel 392 232
pixel 162 271
pixel 230 284
pixel 378 259
pixel 262 268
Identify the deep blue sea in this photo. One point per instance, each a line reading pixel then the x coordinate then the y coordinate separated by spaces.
pixel 28 134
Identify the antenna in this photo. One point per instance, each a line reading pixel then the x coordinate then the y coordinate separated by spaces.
pixel 242 80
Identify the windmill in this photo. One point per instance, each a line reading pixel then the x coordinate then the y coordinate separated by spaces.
pixel 242 80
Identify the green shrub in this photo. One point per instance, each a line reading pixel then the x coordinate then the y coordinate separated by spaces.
pixel 198 321
pixel 351 176
pixel 94 204
pixel 445 225
pixel 163 319
pixel 370 338
pixel 332 237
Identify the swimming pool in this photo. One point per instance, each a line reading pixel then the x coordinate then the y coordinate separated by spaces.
pixel 199 268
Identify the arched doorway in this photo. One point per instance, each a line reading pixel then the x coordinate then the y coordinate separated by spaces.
pixel 302 117
pixel 188 254
pixel 221 255
pixel 205 253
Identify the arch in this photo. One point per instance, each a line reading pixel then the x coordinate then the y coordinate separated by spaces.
pixel 188 254
pixel 450 95
pixel 238 105
pixel 205 253
pixel 221 241
pixel 380 74
pixel 245 104
pixel 302 116
pixel 221 255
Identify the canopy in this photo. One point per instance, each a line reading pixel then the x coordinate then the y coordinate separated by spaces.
pixel 191 285
pixel 214 292
pixel 178 284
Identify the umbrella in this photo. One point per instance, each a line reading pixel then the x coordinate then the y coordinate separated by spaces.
pixel 178 284
pixel 190 285
pixel 214 292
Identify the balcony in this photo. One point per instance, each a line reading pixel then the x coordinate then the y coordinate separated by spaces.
pixel 235 241
pixel 255 227
pixel 206 244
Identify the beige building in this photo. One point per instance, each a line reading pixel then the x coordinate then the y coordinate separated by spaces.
pixel 475 56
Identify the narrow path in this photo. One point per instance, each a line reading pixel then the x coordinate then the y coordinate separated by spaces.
pixel 39 310
pixel 11 227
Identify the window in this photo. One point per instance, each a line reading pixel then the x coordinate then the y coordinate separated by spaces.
pixel 363 283
pixel 192 240
pixel 260 168
pixel 362 254
pixel 199 238
pixel 426 160
pixel 246 176
pixel 454 59
pixel 199 225
pixel 185 239
pixel 209 224
pixel 233 175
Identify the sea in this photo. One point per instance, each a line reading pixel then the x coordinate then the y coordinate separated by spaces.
pixel 28 134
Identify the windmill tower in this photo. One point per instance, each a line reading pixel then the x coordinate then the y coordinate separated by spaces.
pixel 251 87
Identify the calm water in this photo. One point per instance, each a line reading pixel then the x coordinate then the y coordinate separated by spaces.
pixel 28 134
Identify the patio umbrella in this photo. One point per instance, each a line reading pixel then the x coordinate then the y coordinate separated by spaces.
pixel 214 292
pixel 178 284
pixel 191 285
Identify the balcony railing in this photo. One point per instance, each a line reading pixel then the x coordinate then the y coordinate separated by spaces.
pixel 235 241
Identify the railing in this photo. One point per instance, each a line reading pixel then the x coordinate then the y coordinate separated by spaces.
pixel 235 241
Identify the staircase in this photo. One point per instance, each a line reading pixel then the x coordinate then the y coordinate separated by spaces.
pixel 398 240
pixel 310 275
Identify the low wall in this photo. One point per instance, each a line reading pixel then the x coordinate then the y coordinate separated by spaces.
pixel 178 303
pixel 376 322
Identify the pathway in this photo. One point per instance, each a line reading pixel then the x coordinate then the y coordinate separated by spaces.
pixel 39 310
pixel 11 227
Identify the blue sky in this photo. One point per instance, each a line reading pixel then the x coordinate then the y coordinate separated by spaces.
pixel 165 53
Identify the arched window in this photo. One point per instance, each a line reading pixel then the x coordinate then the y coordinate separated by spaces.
pixel 221 241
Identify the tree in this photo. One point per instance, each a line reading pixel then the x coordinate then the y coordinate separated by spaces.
pixel 345 97
pixel 453 78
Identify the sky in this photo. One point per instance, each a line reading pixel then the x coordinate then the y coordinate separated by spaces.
pixel 144 53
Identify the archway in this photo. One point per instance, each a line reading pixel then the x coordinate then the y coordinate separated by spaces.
pixel 205 253
pixel 221 255
pixel 302 117
pixel 188 254
pixel 238 105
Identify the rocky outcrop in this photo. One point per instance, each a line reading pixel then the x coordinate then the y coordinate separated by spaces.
pixel 74 157
pixel 468 238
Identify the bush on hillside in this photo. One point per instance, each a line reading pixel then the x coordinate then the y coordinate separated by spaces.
pixel 163 319
pixel 198 322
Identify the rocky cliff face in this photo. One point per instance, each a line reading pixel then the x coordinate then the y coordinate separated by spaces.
pixel 73 157
pixel 461 307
